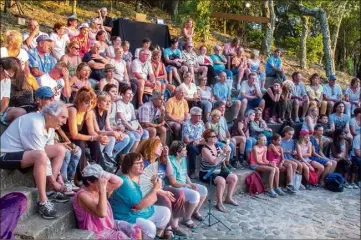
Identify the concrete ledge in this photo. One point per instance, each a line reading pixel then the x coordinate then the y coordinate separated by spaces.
pixel 75 233
pixel 14 178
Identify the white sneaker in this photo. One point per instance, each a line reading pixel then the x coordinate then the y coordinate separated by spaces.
pixel 302 187
pixel 347 185
pixel 74 187
pixel 354 186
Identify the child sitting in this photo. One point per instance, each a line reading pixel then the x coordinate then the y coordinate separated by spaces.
pixel 260 163
pixel 275 156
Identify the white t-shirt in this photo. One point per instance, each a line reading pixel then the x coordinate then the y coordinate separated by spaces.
pixel 5 88
pixel 190 90
pixel 33 43
pixel 119 69
pixel 144 69
pixel 56 85
pixel 26 133
pixel 126 109
pixel 59 44
pixel 247 90
pixel 23 55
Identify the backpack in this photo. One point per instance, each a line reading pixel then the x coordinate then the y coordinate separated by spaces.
pixel 313 178
pixel 334 182
pixel 254 184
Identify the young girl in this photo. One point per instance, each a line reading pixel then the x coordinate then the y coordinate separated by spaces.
pixel 339 152
pixel 272 100
pixel 127 55
pixel 286 101
pixel 260 163
pixel 275 156
pixel 304 152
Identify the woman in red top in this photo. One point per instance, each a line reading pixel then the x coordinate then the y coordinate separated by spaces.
pixel 160 72
pixel 82 39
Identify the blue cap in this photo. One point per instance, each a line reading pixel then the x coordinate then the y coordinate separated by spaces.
pixel 43 37
pixel 332 77
pixel 44 92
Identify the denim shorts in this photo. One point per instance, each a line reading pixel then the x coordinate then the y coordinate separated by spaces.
pixel 254 166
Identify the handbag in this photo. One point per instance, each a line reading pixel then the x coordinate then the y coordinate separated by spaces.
pixel 297 178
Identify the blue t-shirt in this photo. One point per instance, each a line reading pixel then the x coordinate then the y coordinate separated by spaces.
pixel 222 91
pixel 44 64
pixel 125 198
pixel 179 169
pixel 356 145
pixel 217 67
pixel 334 93
pixel 288 146
pixel 353 123
pixel 339 122
pixel 272 61
pixel 172 53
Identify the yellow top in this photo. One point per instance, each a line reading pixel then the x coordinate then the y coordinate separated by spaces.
pixel 177 108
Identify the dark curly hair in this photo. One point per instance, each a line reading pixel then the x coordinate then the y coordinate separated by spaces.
pixel 128 161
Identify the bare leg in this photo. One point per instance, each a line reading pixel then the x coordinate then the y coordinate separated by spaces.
pixel 56 154
pixel 277 177
pixel 220 187
pixel 318 168
pixel 270 170
pixel 232 180
pixel 327 170
pixel 140 83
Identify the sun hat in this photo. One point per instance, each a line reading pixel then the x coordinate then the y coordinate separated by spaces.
pixel 93 170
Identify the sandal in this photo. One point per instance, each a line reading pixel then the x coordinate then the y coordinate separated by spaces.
pixel 221 208
pixel 198 217
pixel 189 223
pixel 168 234
pixel 231 202
pixel 179 232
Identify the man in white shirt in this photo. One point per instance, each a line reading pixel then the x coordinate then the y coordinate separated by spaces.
pixel 58 80
pixel 299 96
pixel 251 93
pixel 142 75
pixel 29 142
pixel 332 93
pixel 31 36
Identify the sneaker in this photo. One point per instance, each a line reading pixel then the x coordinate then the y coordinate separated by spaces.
pixel 290 188
pixel 270 121
pixel 347 185
pixel 354 185
pixel 58 197
pixel 302 187
pixel 308 187
pixel 297 120
pixel 271 193
pixel 279 120
pixel 46 210
pixel 73 186
pixel 280 192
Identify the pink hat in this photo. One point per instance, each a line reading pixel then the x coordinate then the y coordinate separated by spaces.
pixel 304 132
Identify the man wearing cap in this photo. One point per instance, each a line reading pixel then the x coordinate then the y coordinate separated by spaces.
pixel 43 95
pixel 31 36
pixel 151 116
pixel 332 93
pixel 109 77
pixel 40 60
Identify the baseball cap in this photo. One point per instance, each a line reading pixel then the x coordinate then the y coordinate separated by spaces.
pixel 332 77
pixel 93 170
pixel 304 132
pixel 73 16
pixel 83 25
pixel 43 37
pixel 44 92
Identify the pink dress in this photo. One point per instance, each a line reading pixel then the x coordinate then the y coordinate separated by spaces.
pixel 272 157
pixel 104 228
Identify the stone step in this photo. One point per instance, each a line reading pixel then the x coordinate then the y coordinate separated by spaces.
pixel 32 198
pixel 14 178
pixel 36 227
pixel 75 233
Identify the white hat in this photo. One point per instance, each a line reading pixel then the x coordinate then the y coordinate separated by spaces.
pixel 83 25
pixel 93 170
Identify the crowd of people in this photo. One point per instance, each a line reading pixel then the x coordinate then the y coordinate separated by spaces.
pixel 89 116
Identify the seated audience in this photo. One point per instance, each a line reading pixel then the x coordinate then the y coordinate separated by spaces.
pixel 176 110
pixel 58 80
pixel 109 77
pixel 204 60
pixel 116 42
pixel 80 78
pixel 251 94
pixel 145 47
pixel 31 37
pixel 93 211
pixel 192 136
pixel 222 92
pixel 275 157
pixel 160 73
pixel 332 93
pixel 254 65
pixel 95 25
pixel 127 55
pixel 83 40
pixel 29 142
pixel 173 60
pixel 60 40
pixel 126 115
pixel 71 57
pixel 206 96
pixel 274 66
pixel 40 60
pixel 72 26
pixel 273 103
pixel 299 96
pixel 240 66
pixel 220 61
pixel 311 119
pixel 230 50
pixel 101 37
pixel 190 57
pixel 317 142
pixel 167 196
pixel 107 21
pixel 339 120
pixel 212 155
pixel 129 204
pixel 355 123
pixel 286 100
pixel 352 96
pixel 257 125
pixel 191 94
pixel 315 93
pixel 260 163
pixel 194 193
pixel 43 96
pixel 96 62
pixel 151 117
pixel 112 90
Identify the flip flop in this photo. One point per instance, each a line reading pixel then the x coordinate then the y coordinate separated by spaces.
pixel 189 223
pixel 221 209
pixel 198 217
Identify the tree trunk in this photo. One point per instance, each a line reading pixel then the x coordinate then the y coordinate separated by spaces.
pixel 74 7
pixel 305 30
pixel 268 29
pixel 335 32
pixel 321 16
pixel 175 4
